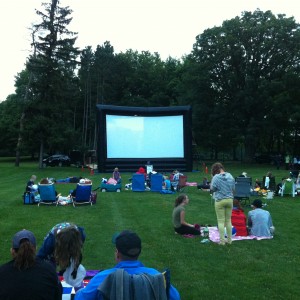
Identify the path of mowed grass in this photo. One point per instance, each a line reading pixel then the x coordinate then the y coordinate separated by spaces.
pixel 267 269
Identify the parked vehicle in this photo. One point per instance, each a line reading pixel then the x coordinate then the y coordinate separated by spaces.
pixel 57 160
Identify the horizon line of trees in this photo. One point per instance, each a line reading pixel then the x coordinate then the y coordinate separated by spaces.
pixel 241 78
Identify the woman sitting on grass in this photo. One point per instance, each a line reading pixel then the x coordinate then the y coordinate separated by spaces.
pixel 238 219
pixel 178 217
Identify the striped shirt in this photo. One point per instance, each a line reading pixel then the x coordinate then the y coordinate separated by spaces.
pixel 223 186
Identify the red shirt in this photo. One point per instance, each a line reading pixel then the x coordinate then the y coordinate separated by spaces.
pixel 238 220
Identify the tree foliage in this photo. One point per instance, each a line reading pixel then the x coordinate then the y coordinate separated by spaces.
pixel 242 79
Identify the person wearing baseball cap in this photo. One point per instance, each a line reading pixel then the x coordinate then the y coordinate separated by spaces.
pixel 128 247
pixel 26 276
pixel 260 220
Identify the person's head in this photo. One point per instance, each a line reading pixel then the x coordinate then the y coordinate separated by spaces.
pixel 181 199
pixel 237 204
pixel 217 168
pixel 128 246
pixel 269 174
pixel 32 178
pixel 141 170
pixel 244 174
pixel 23 249
pixel 257 203
pixel 68 244
pixel 116 169
pixel 44 181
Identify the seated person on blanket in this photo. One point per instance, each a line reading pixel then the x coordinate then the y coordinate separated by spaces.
pixel 63 243
pixel 260 221
pixel 205 185
pixel 178 217
pixel 238 219
pixel 26 276
pixel 128 248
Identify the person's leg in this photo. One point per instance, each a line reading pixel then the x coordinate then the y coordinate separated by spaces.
pixel 228 203
pixel 220 212
pixel 183 229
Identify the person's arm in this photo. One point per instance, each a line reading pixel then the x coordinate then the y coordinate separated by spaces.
pixel 249 223
pixel 174 294
pixel 47 247
pixel 182 221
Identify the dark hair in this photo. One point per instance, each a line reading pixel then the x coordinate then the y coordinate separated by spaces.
pixel 44 181
pixel 180 199
pixel 68 244
pixel 216 168
pixel 24 256
pixel 237 204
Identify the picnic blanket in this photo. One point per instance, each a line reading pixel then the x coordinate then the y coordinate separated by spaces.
pixel 191 183
pixel 215 237
pixel 68 290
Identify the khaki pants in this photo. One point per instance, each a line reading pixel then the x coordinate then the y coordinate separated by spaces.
pixel 223 210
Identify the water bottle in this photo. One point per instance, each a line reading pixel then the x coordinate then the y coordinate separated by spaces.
pixel 206 233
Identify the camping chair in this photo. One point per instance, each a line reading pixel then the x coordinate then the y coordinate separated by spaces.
pixel 156 182
pixel 83 194
pixel 47 194
pixel 243 189
pixel 122 285
pixel 288 188
pixel 138 183
pixel 182 182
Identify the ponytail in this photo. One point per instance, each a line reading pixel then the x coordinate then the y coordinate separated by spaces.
pixel 25 255
pixel 179 199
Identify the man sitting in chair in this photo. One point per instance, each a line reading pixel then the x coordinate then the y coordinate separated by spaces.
pixel 128 248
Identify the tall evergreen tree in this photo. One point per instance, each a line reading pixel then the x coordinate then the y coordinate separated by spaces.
pixel 53 67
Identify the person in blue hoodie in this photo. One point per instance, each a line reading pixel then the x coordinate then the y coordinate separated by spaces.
pixel 128 248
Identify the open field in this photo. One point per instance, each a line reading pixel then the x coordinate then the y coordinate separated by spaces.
pixel 267 269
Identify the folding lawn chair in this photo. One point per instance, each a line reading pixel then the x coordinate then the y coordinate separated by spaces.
pixel 156 182
pixel 242 190
pixel 47 194
pixel 138 183
pixel 83 194
pixel 288 189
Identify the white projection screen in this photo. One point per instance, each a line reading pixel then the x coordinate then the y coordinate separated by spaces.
pixel 130 137
pixel 144 137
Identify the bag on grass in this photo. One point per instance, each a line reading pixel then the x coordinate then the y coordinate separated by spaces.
pixel 28 198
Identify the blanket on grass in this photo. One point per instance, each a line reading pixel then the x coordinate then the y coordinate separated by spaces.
pixel 215 237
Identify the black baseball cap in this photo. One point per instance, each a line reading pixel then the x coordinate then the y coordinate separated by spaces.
pixel 257 203
pixel 128 243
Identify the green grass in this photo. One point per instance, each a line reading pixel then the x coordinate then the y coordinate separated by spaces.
pixel 266 269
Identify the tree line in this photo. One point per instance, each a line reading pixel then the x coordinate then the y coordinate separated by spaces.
pixel 241 78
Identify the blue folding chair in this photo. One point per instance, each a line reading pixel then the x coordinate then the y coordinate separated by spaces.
pixel 138 183
pixel 83 194
pixel 156 182
pixel 47 194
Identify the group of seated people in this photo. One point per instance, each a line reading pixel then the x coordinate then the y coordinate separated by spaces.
pixel 30 275
pixel 31 187
pixel 259 222
pixel 170 182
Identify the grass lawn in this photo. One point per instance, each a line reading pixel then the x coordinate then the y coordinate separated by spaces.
pixel 266 269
